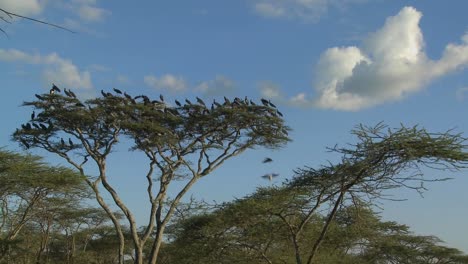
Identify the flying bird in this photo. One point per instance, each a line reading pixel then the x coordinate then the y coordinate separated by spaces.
pixel 270 176
pixel 266 160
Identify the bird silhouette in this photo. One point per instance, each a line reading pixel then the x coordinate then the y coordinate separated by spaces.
pixel 117 91
pixel 266 160
pixel 33 115
pixel 178 103
pixel 270 176
pixel 54 89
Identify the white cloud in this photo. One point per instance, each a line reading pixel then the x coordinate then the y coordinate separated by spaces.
pixel 90 13
pixel 218 86
pixel 23 7
pixel 166 82
pixel 303 9
pixel 307 10
pixel 390 65
pixel 57 70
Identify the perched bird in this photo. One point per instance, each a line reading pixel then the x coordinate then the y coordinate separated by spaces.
pixel 62 142
pixel 128 96
pixel 161 97
pixel 117 90
pixel 264 102
pixel 103 93
pixel 39 97
pixel 33 115
pixel 54 89
pixel 178 103
pixel 270 176
pixel 279 113
pixel 43 126
pixel 271 104
pixel 200 101
pixel 70 142
pixel 188 101
pixel 72 94
pixel 24 143
pixel 266 160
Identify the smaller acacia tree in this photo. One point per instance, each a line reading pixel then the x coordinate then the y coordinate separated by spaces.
pixel 186 141
pixel 27 186
pixel 382 159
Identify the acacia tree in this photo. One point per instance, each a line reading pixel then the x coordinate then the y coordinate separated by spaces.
pixel 380 160
pixel 28 185
pixel 182 142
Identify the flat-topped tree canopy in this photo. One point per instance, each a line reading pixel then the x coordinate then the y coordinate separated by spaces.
pixel 150 123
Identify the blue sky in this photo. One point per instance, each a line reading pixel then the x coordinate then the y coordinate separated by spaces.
pixel 328 64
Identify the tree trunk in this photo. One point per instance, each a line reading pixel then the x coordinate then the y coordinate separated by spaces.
pixel 325 227
pixel 156 245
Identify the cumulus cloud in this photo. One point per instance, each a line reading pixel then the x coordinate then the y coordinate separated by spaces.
pixel 23 7
pixel 218 86
pixel 390 65
pixel 308 10
pixel 168 82
pixel 57 70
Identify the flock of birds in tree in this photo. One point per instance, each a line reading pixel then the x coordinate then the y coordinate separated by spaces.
pixel 200 108
pixel 269 176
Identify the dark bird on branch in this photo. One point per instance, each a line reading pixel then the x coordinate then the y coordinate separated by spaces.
pixel 188 101
pixel 54 89
pixel 128 96
pixel 62 142
pixel 200 101
pixel 43 126
pixel 39 97
pixel 103 93
pixel 36 125
pixel 117 90
pixel 33 115
pixel 270 176
pixel 216 103
pixel 266 160
pixel 70 142
pixel 72 94
pixel 279 113
pixel 226 101
pixel 161 97
pixel 178 103
pixel 24 143
pixel 271 104
pixel 264 102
